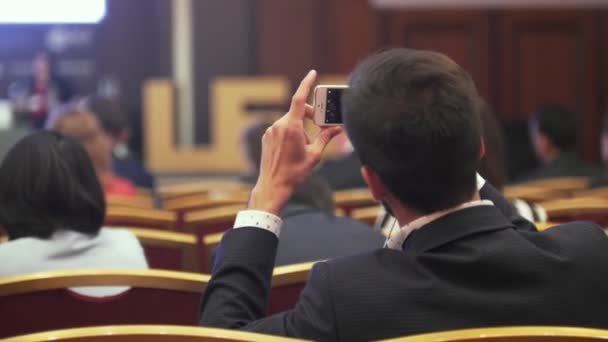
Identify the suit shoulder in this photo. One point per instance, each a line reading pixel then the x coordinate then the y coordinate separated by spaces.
pixel 362 262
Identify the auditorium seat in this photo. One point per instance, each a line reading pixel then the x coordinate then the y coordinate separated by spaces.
pixel 169 250
pixel 42 301
pixel 119 216
pixel 136 201
pixel 601 192
pixel 533 194
pixel 149 333
pixel 367 215
pixel 511 334
pixel 577 209
pixel 208 188
pixel 570 184
pixel 189 203
pixel 287 283
pixel 205 222
pixel 348 200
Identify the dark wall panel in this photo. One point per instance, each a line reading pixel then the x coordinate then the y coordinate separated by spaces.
pixel 552 57
pixel 462 35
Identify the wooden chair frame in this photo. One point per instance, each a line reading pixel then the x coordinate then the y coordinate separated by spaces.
pixel 348 200
pixel 153 279
pixel 152 218
pixel 154 333
pixel 503 334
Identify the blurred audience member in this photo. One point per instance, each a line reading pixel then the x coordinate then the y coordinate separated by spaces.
pixel 85 128
pixel 42 93
pixel 554 132
pixel 344 172
pixel 492 165
pixel 52 207
pixel 602 180
pixel 115 124
pixel 309 213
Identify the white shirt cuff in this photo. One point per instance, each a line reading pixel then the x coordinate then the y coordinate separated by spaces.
pixel 480 182
pixel 259 219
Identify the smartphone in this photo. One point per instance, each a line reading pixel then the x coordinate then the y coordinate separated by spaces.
pixel 327 105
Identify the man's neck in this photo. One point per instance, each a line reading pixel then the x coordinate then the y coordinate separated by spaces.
pixel 405 216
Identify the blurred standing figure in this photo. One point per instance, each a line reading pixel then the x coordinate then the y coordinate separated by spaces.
pixel 85 128
pixel 43 92
pixel 554 133
pixel 115 124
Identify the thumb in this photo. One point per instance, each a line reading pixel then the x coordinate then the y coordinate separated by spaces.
pixel 322 139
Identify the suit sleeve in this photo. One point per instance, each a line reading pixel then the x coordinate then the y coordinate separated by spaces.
pixel 237 295
pixel 490 193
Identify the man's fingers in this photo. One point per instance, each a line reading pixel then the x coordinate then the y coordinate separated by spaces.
pixel 310 112
pixel 298 101
pixel 321 140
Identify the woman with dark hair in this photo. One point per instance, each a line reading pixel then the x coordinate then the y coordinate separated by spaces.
pixel 52 207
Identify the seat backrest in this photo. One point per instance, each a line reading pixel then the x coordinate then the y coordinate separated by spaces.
pixel 136 201
pixel 287 283
pixel 149 333
pixel 170 191
pixel 205 222
pixel 189 203
pixel 533 194
pixel 169 250
pixel 348 200
pixel 367 215
pixel 43 301
pixel 511 334
pixel 119 216
pixel 569 184
pixel 577 208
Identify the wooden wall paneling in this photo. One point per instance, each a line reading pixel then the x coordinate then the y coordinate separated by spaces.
pixel 462 35
pixel 357 32
pixel 603 41
pixel 289 37
pixel 552 57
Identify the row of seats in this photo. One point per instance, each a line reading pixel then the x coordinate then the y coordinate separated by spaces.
pixel 43 301
pixel 167 333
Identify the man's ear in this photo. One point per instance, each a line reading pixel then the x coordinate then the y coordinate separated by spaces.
pixel 374 183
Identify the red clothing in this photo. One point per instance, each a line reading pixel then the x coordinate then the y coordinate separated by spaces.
pixel 119 186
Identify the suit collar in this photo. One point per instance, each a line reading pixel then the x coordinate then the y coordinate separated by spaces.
pixel 454 226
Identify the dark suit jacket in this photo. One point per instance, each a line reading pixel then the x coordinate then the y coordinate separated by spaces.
pixel 471 268
pixel 567 165
pixel 343 174
pixel 309 235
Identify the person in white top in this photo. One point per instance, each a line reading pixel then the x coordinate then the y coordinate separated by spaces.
pixel 52 207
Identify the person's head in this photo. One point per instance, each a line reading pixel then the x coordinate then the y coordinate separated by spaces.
pixel 47 183
pixel 85 128
pixel 114 120
pixel 411 116
pixel 492 165
pixel 315 193
pixel 554 130
pixel 251 142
